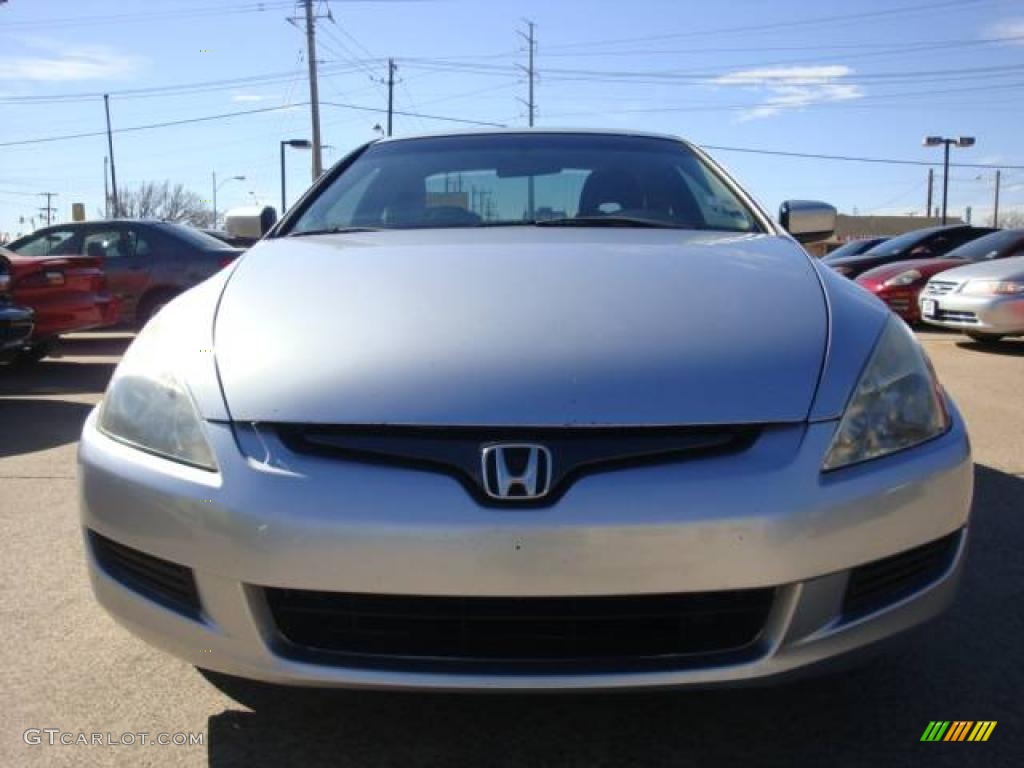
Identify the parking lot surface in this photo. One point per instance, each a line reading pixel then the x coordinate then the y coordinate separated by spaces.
pixel 67 665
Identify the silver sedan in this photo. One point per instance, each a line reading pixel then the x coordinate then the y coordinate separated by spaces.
pixel 984 300
pixel 525 410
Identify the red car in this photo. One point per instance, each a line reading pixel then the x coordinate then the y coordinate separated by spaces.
pixel 67 293
pixel 898 284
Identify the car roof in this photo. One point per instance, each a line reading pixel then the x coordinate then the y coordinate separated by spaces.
pixel 504 131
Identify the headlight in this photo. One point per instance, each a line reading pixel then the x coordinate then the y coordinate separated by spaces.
pixel 903 278
pixel 897 403
pixel 148 407
pixel 993 288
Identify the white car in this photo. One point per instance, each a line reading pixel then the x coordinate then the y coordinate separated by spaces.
pixel 985 300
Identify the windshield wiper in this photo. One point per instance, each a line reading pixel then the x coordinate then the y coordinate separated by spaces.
pixel 610 221
pixel 333 231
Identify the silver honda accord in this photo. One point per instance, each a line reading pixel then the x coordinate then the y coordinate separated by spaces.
pixel 524 410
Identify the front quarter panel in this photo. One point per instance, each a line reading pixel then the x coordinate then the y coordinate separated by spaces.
pixel 185 326
pixel 856 320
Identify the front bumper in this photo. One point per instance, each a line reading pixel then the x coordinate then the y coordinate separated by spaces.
pixel 15 327
pixel 763 518
pixel 902 300
pixel 983 314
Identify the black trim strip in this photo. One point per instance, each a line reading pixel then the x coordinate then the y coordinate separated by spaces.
pixel 457 451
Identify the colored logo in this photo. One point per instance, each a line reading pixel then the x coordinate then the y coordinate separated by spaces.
pixel 958 730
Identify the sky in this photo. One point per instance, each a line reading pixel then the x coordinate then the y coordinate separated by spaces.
pixel 865 79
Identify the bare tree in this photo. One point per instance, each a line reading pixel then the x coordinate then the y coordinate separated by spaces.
pixel 160 200
pixel 1012 219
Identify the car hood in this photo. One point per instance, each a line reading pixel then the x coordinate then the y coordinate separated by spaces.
pixel 996 269
pixel 522 326
pixel 927 268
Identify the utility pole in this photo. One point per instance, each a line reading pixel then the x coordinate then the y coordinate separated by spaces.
pixel 49 209
pixel 314 92
pixel 995 206
pixel 110 146
pixel 935 141
pixel 391 92
pixel 931 181
pixel 530 70
pixel 106 190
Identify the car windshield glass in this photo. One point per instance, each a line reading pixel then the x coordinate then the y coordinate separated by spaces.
pixel 988 247
pixel 901 243
pixel 197 239
pixel 851 248
pixel 524 179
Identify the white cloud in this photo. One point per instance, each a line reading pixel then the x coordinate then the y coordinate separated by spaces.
pixel 792 87
pixel 1011 30
pixel 87 62
pixel 785 75
pixel 247 97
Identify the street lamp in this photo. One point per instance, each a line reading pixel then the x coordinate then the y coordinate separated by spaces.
pixel 218 186
pixel 935 141
pixel 294 144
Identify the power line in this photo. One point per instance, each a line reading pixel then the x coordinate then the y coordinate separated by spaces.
pixel 238 113
pixel 440 118
pixel 930 8
pixel 852 158
pixel 148 126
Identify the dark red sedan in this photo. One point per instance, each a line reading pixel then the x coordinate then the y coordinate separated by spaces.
pixel 67 293
pixel 899 283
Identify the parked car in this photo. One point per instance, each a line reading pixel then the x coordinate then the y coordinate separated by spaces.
pixel 237 241
pixel 985 300
pixel 15 321
pixel 424 439
pixel 920 244
pixel 899 284
pixel 147 262
pixel 66 293
pixel 854 247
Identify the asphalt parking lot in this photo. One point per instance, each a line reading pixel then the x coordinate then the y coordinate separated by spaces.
pixel 67 665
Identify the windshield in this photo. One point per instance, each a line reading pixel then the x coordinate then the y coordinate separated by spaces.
pixel 993 246
pixel 525 179
pixel 852 248
pixel 902 243
pixel 197 239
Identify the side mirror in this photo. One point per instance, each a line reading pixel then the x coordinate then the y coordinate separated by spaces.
pixel 807 220
pixel 251 221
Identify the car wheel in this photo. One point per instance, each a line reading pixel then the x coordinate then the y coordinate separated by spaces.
pixel 152 304
pixel 33 353
pixel 985 338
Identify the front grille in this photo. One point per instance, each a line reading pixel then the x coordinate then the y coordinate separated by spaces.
pixel 516 634
pixel 956 316
pixel 940 287
pixel 458 451
pixel 170 584
pixel 875 585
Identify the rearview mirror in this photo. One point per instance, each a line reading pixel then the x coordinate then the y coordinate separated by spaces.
pixel 252 221
pixel 807 220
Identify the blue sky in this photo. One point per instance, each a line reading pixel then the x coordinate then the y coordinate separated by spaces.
pixel 867 78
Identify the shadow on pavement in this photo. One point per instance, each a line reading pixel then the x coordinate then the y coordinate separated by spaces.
pixel 964 666
pixel 35 425
pixel 1012 347
pixel 55 377
pixel 106 345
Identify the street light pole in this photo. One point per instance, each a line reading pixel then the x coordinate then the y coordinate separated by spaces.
pixel 217 187
pixel 934 141
pixel 295 144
